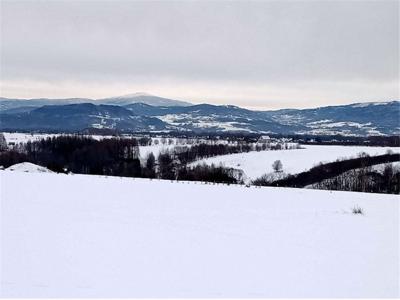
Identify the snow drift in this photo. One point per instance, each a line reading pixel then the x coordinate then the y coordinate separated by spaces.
pixel 28 168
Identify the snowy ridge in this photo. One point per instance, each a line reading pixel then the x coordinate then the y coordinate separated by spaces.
pixel 372 103
pixel 133 95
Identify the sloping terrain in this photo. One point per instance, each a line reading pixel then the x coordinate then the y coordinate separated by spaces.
pixel 255 164
pixel 91 236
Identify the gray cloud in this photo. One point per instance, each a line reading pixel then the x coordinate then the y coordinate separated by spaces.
pixel 278 50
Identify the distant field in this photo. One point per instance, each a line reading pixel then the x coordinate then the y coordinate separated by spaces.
pixel 19 137
pixel 255 164
pixel 91 236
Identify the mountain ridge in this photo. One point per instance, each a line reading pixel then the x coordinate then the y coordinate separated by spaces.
pixel 8 103
pixel 356 119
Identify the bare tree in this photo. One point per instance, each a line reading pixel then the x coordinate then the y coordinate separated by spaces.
pixel 3 142
pixel 277 166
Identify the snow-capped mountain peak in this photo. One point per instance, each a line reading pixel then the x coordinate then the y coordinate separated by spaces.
pixel 133 95
pixel 142 98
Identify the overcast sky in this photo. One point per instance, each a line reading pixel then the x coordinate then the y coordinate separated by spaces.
pixel 261 54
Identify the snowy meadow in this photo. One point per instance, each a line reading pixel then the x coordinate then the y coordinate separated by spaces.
pixel 92 236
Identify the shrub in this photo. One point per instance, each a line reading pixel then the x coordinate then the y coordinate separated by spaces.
pixel 357 210
pixel 205 173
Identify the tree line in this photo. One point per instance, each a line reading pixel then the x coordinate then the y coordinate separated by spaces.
pixel 364 180
pixel 120 157
pixel 353 174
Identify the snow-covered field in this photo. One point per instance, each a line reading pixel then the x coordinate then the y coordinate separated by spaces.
pixel 15 138
pixel 255 164
pixel 18 137
pixel 91 236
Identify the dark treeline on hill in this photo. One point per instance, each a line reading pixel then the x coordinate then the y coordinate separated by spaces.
pixel 207 173
pixel 382 141
pixel 79 154
pixel 364 180
pixel 353 174
pixel 120 157
pixel 200 151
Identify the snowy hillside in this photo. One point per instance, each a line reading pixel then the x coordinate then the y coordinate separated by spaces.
pixel 91 236
pixel 255 164
pixel 28 168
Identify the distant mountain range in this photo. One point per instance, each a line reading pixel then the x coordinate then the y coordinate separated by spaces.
pixel 7 103
pixel 146 113
pixel 142 98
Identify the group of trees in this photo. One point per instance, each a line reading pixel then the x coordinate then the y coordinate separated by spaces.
pixel 189 154
pixel 12 157
pixel 119 157
pixel 80 154
pixel 354 174
pixel 173 164
pixel 381 141
pixel 365 179
pixel 3 142
pixel 243 144
pixel 207 173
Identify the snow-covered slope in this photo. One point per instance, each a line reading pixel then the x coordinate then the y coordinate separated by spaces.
pixel 142 98
pixel 28 168
pixel 90 236
pixel 255 164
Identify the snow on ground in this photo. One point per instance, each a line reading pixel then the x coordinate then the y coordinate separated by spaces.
pixel 29 168
pixel 381 167
pixel 91 236
pixel 144 151
pixel 155 149
pixel 255 164
pixel 18 137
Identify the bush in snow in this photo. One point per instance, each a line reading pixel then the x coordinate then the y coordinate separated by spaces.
pixel 357 210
